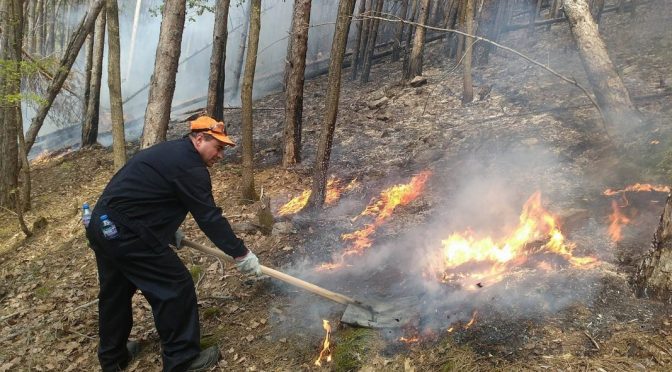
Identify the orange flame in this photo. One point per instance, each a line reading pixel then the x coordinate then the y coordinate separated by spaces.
pixel 325 353
pixel 409 340
pixel 333 194
pixel 638 187
pixel 382 208
pixel 535 225
pixel 616 222
pixel 472 321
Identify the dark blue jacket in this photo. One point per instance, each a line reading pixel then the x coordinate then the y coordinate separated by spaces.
pixel 157 187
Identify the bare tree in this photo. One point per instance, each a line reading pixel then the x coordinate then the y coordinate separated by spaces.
pixel 237 72
pixel 75 44
pixel 371 42
pixel 361 24
pixel 11 39
pixel 215 104
pixel 134 32
pixel 249 193
pixel 316 199
pixel 415 61
pixel 610 93
pixel 295 77
pixel 396 47
pixel 90 125
pixel 114 84
pixel 468 86
pixel 162 84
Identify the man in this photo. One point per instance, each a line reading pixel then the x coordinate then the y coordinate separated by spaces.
pixel 148 200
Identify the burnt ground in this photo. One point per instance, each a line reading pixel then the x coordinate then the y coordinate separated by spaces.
pixel 531 132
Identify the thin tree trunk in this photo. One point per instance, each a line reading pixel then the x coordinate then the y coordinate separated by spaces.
pixel 415 64
pixel 162 84
pixel 249 193
pixel 316 199
pixel 29 17
pixel 134 32
pixel 533 18
pixel 362 41
pixel 25 168
pixel 114 85
pixel 295 73
pixel 468 87
pixel 215 104
pixel 11 39
pixel 371 42
pixel 488 29
pixel 238 71
pixel 553 12
pixel 653 279
pixel 50 18
pixel 449 22
pixel 598 7
pixel 68 60
pixel 610 93
pixel 409 36
pixel 37 30
pixel 87 77
pixel 461 23
pixel 396 48
pixel 90 125
pixel 358 40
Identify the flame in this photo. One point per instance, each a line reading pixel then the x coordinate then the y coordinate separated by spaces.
pixel 638 187
pixel 616 222
pixel 409 340
pixel 472 321
pixel 381 208
pixel 326 352
pixel 333 193
pixel 465 257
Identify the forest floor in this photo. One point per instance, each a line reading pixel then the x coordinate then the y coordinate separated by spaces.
pixel 526 131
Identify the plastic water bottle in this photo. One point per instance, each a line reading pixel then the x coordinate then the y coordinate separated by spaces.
pixel 86 215
pixel 109 228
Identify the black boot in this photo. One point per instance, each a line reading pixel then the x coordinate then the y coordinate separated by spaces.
pixel 205 360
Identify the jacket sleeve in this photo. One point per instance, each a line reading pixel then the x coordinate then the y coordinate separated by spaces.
pixel 195 191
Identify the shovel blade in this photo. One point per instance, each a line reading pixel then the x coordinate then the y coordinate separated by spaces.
pixel 394 313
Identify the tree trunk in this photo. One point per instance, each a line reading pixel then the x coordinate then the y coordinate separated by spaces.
pixel 598 7
pixel 358 40
pixel 610 93
pixel 68 60
pixel 87 77
pixel 415 62
pixel 450 22
pixel 24 183
pixel 468 87
pixel 533 18
pixel 90 125
pixel 295 73
pixel 162 84
pixel 362 41
pixel 238 71
pixel 407 46
pixel 653 277
pixel 50 20
pixel 316 199
pixel 134 32
pixel 460 25
pixel 488 29
pixel 38 23
pixel 114 84
pixel 215 104
pixel 249 193
pixel 11 39
pixel 396 48
pixel 371 42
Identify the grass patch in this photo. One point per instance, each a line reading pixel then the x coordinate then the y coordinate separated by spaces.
pixel 211 312
pixel 196 272
pixel 352 348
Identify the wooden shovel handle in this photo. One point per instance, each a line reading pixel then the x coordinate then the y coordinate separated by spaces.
pixel 337 297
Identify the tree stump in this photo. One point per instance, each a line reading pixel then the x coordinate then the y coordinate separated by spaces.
pixel 654 276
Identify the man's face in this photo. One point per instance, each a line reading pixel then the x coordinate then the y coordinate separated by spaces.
pixel 211 151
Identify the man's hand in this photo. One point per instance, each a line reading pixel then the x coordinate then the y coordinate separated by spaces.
pixel 179 235
pixel 249 264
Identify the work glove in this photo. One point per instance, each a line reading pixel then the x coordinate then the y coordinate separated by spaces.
pixel 179 236
pixel 249 264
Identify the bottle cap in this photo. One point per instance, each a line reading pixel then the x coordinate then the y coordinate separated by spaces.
pixel 103 217
pixel 85 205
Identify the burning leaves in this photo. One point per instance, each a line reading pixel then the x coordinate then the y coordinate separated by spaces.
pixel 466 259
pixel 335 187
pixel 380 208
pixel 619 216
pixel 325 354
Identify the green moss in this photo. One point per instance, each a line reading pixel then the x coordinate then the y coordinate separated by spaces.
pixel 196 272
pixel 211 312
pixel 352 347
pixel 208 341
pixel 44 290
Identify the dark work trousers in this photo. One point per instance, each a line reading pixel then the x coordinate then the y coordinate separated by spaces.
pixel 126 264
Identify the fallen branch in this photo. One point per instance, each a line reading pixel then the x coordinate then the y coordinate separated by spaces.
pixel 597 346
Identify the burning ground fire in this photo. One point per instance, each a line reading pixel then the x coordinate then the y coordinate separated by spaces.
pixel 335 188
pixel 380 208
pixel 537 241
pixel 326 351
pixel 618 218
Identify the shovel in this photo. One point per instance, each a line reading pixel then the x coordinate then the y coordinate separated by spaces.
pixel 357 313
